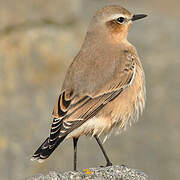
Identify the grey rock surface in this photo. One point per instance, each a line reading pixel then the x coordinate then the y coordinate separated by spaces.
pixel 101 173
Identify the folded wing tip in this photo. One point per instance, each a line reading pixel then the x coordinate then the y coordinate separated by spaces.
pixel 38 159
pixel 33 159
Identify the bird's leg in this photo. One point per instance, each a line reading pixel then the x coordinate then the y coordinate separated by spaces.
pixel 104 152
pixel 75 140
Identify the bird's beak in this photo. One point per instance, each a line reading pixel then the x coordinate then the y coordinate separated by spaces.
pixel 138 16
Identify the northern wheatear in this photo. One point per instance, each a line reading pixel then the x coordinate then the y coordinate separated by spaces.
pixel 104 87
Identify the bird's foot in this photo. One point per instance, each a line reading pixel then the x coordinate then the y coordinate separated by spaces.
pixel 108 164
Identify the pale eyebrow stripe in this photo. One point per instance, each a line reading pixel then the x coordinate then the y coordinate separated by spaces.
pixel 115 16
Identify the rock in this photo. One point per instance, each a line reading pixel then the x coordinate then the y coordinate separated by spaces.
pixel 101 173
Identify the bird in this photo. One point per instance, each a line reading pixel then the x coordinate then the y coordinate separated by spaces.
pixel 104 86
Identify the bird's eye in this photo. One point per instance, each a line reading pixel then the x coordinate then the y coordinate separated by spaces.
pixel 120 20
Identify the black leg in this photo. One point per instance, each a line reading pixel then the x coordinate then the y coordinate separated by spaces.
pixel 104 152
pixel 75 140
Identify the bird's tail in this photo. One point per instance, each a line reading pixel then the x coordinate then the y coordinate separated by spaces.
pixel 45 150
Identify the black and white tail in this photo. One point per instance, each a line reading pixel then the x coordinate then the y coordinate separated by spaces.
pixel 44 151
pixel 50 144
pixel 58 130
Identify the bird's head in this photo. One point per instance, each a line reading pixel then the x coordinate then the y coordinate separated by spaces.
pixel 113 22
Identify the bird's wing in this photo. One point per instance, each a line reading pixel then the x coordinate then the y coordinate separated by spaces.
pixel 72 110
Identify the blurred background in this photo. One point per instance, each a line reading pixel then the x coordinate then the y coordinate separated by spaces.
pixel 38 40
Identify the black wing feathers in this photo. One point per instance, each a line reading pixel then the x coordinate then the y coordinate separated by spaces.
pixel 60 128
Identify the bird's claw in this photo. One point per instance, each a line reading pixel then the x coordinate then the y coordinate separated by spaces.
pixel 108 164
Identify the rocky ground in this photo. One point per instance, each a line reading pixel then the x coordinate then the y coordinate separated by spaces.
pixel 38 40
pixel 107 173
